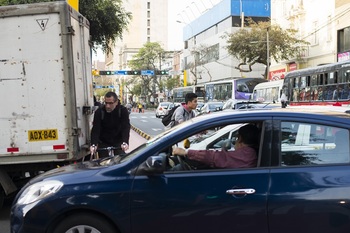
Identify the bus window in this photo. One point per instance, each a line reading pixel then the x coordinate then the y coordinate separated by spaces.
pixel 331 78
pixel 320 79
pixel 302 82
pixel 343 91
pixel 296 82
pixel 344 76
pixel 313 81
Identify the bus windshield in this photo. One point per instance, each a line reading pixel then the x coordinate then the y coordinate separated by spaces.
pixel 268 92
pixel 237 89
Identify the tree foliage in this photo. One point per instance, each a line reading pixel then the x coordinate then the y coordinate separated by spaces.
pixel 249 44
pixel 108 19
pixel 150 57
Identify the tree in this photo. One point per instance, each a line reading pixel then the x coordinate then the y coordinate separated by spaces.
pixel 108 19
pixel 148 58
pixel 250 44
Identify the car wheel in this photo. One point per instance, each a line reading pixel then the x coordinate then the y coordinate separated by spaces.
pixel 84 223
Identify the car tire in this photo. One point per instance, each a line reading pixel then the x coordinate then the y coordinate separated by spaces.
pixel 80 222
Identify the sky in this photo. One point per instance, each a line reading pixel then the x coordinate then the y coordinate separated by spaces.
pixel 178 10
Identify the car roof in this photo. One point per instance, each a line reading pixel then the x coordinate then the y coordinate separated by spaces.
pixel 340 112
pixel 164 103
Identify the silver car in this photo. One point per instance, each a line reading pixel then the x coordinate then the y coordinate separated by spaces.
pixel 162 109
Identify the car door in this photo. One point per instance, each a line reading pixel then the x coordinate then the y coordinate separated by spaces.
pixel 310 187
pixel 198 202
pixel 212 200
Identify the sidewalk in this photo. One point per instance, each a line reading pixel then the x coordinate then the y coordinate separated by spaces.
pixel 135 140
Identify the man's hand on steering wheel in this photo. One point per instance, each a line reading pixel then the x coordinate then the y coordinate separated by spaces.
pixel 181 153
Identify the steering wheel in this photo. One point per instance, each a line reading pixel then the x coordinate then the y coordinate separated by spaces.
pixel 183 164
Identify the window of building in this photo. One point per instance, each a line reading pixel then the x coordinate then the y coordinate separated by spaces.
pixel 148 5
pixel 148 14
pixel 148 23
pixel 344 40
pixel 329 28
pixel 314 38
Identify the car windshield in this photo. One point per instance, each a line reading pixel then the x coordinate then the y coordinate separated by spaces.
pixel 213 107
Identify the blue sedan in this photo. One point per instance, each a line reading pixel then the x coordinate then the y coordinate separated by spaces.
pixel 301 182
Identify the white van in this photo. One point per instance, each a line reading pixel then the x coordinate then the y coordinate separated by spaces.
pixel 268 92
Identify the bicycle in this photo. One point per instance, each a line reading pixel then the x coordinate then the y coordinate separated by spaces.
pixel 110 149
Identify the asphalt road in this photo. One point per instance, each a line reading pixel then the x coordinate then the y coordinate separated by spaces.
pixel 4 217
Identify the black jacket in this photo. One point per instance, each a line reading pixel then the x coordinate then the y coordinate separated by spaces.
pixel 111 128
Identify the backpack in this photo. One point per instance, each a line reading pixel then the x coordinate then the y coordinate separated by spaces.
pixel 167 117
pixel 103 110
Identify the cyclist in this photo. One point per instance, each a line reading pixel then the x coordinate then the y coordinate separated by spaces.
pixel 111 127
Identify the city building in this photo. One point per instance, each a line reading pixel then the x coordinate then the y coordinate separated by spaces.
pixel 148 24
pixel 323 23
pixel 206 34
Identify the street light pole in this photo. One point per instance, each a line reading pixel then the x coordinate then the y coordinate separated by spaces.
pixel 267 54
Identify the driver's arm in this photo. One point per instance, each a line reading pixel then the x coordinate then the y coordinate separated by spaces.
pixel 179 151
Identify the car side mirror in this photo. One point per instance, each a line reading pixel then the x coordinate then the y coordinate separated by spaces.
pixel 154 165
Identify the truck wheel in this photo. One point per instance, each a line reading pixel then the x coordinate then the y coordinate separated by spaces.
pixel 84 223
pixel 2 197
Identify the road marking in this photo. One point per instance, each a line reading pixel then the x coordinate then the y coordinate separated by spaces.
pixel 156 129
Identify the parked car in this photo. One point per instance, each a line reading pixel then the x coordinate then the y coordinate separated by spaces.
pixel 162 109
pixel 199 106
pixel 211 107
pixel 301 182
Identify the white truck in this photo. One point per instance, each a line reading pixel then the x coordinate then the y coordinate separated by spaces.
pixel 45 88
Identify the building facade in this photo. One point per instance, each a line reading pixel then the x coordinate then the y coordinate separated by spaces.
pixel 323 23
pixel 206 34
pixel 149 23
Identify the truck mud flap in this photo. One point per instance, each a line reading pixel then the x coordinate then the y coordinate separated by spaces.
pixel 6 183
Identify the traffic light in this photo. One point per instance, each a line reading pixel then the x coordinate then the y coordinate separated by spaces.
pixel 105 72
pixel 162 72
pixel 133 72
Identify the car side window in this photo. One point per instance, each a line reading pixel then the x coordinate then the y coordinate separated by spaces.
pixel 313 144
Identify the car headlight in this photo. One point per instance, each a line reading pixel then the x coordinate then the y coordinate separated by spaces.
pixel 39 191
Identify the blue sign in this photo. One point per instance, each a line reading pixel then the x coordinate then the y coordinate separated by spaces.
pixel 121 72
pixel 147 72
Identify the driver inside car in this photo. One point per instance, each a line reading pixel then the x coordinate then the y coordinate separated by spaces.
pixel 244 155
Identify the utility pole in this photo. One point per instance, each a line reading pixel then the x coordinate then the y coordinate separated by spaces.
pixel 267 54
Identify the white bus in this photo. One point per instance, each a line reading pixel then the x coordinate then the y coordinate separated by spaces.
pixel 268 92
pixel 180 92
pixel 232 89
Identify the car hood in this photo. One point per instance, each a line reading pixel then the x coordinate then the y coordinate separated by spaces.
pixel 79 170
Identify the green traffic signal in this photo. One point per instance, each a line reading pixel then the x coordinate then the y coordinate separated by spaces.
pixel 162 72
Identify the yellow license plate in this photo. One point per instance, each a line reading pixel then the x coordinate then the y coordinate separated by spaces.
pixel 42 135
